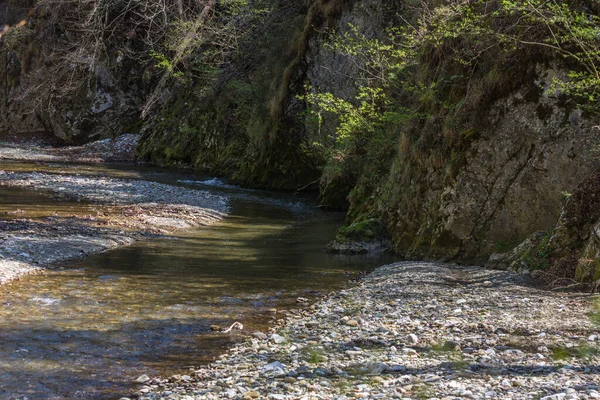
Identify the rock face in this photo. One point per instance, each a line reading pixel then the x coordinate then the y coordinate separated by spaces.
pixel 524 150
pixel 511 183
pixel 44 88
pixel 568 252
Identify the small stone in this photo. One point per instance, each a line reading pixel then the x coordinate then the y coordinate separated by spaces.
pixel 557 396
pixel 412 338
pixel 252 394
pixel 409 351
pixel 514 352
pixel 274 369
pixel 505 384
pixel 397 368
pixel 376 368
pixel 142 379
pixel 277 339
pixel 352 322
pixel 215 328
pixel 259 335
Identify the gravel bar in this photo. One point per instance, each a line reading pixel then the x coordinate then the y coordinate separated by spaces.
pixel 119 149
pixel 125 211
pixel 412 330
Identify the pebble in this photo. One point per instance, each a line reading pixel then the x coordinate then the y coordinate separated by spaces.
pixel 413 339
pixel 142 378
pixel 277 339
pixel 251 395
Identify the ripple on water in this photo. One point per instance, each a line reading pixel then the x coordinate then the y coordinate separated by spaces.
pixel 46 301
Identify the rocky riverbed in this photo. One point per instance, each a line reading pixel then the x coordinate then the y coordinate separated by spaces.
pixel 412 330
pixel 123 211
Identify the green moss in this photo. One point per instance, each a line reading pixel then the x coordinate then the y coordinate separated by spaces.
pixel 444 347
pixel 581 351
pixel 313 354
pixel 538 255
pixel 366 229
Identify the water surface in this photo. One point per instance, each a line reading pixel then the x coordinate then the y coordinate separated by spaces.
pixel 88 330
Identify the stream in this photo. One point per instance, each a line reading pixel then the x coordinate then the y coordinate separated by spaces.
pixel 89 328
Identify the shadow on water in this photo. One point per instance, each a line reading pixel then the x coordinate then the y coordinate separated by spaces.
pixel 88 330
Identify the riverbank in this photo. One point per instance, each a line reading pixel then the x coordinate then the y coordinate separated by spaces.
pixel 38 148
pixel 412 330
pixel 118 212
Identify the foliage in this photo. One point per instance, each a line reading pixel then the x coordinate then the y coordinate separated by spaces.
pixel 580 351
pixel 423 88
pixel 367 229
pixel 538 255
pixel 162 62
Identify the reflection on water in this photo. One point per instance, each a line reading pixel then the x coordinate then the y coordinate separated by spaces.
pixel 86 331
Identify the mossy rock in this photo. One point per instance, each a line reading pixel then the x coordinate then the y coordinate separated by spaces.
pixel 366 229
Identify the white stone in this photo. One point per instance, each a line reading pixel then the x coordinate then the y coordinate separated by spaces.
pixel 277 339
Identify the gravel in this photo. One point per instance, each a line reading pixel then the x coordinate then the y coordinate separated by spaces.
pixel 119 149
pixel 412 330
pixel 125 211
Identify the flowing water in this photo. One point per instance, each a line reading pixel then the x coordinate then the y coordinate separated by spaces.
pixel 88 329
